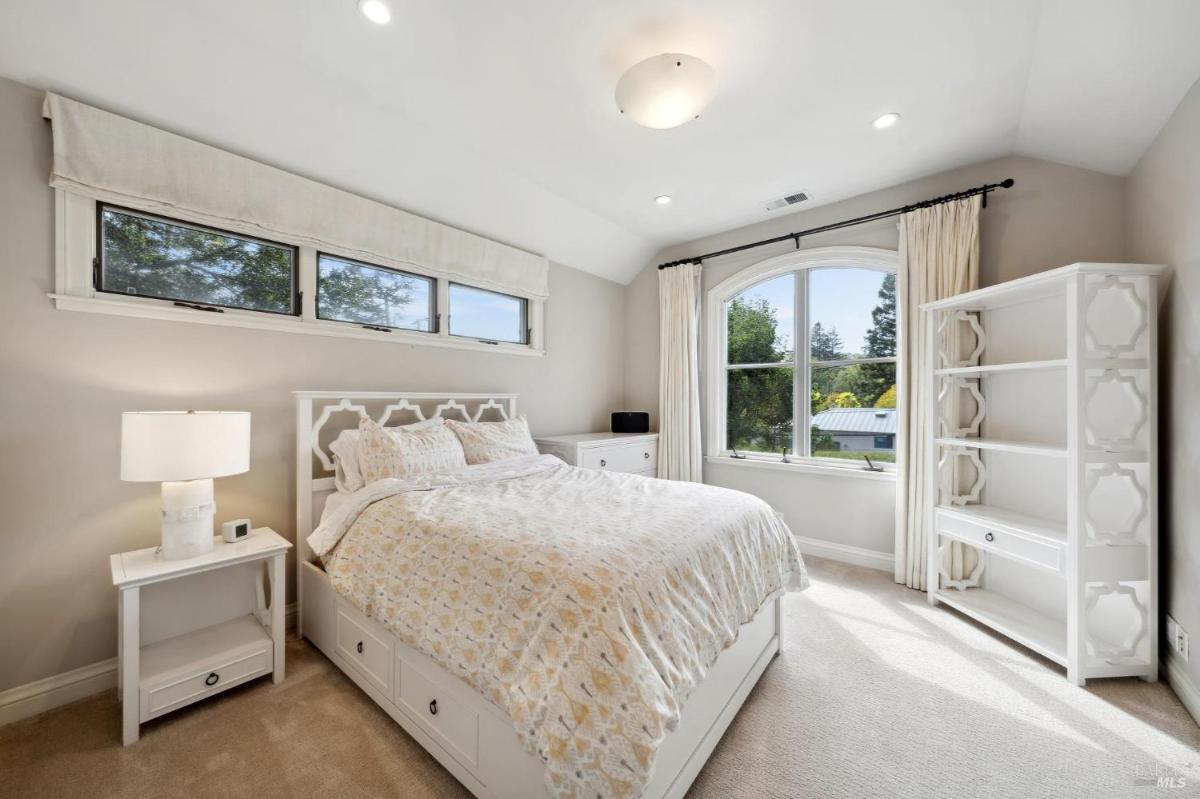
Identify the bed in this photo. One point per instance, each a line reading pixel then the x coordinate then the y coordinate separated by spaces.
pixel 541 630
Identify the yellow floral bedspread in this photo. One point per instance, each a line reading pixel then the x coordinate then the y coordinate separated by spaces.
pixel 587 604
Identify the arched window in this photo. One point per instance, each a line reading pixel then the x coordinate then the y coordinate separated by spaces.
pixel 802 357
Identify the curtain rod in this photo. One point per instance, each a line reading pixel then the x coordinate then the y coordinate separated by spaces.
pixel 984 189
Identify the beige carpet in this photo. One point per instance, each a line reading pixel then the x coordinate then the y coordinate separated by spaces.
pixel 876 694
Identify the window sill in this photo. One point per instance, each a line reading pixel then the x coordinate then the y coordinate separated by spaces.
pixel 152 309
pixel 803 466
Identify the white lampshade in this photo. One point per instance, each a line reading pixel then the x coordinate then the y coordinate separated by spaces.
pixel 665 91
pixel 184 445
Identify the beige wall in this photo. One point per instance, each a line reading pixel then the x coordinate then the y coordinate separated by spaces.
pixel 1054 215
pixel 1164 227
pixel 65 377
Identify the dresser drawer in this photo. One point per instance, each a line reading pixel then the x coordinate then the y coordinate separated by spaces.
pixel 1002 540
pixel 435 707
pixel 370 651
pixel 207 678
pixel 631 457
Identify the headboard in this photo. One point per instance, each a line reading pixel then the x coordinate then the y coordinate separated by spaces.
pixel 321 415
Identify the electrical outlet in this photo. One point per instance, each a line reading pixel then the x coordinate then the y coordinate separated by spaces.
pixel 1178 638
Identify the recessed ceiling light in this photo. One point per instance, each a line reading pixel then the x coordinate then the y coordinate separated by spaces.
pixel 663 199
pixel 666 90
pixel 886 121
pixel 375 10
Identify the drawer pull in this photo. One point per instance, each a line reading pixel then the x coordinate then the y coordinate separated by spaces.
pixel 433 707
pixel 646 455
pixel 989 536
pixel 211 679
pixel 603 463
pixel 359 647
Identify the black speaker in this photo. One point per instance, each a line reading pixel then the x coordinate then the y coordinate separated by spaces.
pixel 631 422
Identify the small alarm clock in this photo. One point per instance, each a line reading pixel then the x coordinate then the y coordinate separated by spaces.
pixel 236 530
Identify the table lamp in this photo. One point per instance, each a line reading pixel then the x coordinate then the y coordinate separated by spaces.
pixel 185 450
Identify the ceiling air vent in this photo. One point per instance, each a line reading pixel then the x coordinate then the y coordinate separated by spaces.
pixel 784 202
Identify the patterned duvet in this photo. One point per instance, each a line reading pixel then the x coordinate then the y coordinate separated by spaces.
pixel 587 604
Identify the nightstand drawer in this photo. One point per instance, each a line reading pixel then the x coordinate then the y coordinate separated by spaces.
pixel 365 648
pixel 248 656
pixel 434 706
pixel 633 457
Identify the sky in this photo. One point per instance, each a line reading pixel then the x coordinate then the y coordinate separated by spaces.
pixel 841 298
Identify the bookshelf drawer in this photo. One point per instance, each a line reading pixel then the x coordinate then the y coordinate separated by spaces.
pixel 1005 541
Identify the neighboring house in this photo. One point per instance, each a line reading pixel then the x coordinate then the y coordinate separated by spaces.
pixel 859 429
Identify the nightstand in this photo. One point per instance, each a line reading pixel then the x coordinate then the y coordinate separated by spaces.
pixel 163 676
pixel 636 453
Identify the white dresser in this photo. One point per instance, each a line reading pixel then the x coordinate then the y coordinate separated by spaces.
pixel 635 453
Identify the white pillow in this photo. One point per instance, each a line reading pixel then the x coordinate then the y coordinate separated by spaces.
pixel 346 474
pixel 403 452
pixel 485 442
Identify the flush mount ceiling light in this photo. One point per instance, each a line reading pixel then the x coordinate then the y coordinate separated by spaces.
pixel 663 199
pixel 375 10
pixel 886 121
pixel 665 91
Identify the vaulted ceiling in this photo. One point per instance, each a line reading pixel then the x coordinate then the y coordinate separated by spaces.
pixel 499 117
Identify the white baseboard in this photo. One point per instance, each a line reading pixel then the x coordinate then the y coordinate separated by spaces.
pixel 1181 683
pixel 39 696
pixel 884 561
pixel 70 686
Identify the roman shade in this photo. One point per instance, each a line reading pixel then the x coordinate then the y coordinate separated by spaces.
pixel 107 157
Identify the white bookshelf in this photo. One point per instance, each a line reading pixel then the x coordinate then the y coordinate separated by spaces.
pixel 1042 498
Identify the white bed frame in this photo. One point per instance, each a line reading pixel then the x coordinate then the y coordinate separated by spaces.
pixel 469 735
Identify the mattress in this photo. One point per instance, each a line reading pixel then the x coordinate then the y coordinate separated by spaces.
pixel 586 604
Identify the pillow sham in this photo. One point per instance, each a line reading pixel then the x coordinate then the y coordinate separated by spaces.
pixel 403 452
pixel 346 475
pixel 484 442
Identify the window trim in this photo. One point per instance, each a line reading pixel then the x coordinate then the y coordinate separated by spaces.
pixel 75 251
pixel 433 292
pixel 98 277
pixel 716 339
pixel 526 331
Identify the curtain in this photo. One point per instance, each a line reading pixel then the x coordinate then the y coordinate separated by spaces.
pixel 939 258
pixel 107 157
pixel 679 440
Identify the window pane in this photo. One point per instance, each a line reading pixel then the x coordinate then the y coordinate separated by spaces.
pixel 349 291
pixel 761 320
pixel 852 313
pixel 759 409
pixel 854 411
pixel 152 257
pixel 487 315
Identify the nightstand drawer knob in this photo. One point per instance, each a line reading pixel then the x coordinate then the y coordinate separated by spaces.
pixel 433 707
pixel 212 678
pixel 989 536
pixel 646 455
pixel 603 463
pixel 359 647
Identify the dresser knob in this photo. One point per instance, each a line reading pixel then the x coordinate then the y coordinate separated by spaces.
pixel 646 455
pixel 603 463
pixel 359 647
pixel 212 678
pixel 433 707
pixel 989 536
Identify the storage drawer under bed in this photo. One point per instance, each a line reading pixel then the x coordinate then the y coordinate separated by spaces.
pixel 367 645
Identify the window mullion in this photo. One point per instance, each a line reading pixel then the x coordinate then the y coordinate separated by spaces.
pixel 307 275
pixel 801 379
pixel 442 305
